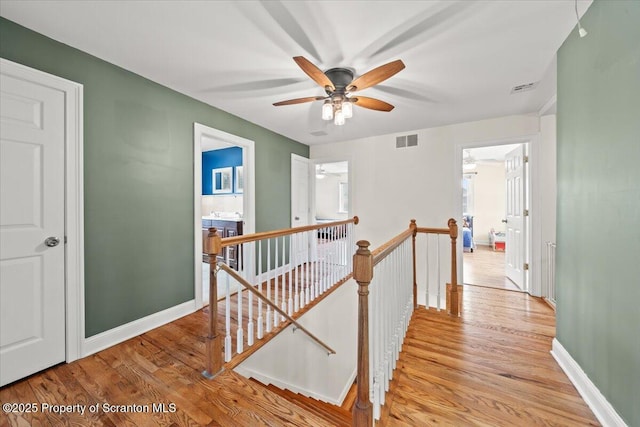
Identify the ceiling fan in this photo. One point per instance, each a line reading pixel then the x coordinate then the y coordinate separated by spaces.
pixel 339 83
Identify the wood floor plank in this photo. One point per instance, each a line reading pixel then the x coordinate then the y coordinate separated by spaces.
pixel 489 367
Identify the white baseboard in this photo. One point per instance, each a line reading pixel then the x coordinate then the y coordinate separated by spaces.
pixel 602 409
pixel 129 330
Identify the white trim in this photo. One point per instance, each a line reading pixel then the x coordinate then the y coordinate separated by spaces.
pixel 129 330
pixel 602 409
pixel 74 199
pixel 266 380
pixel 249 208
pixel 532 183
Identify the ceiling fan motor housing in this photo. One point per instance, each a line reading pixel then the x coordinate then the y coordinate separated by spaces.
pixel 341 78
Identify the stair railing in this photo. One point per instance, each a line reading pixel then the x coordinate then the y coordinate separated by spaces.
pixel 292 269
pixel 387 296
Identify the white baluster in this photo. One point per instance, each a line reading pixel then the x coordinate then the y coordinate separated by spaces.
pixel 248 266
pixel 296 272
pixel 290 275
pixel 283 277
pixel 227 338
pixel 276 317
pixel 268 323
pixel 260 279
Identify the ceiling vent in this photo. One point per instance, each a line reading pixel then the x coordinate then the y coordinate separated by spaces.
pixel 318 133
pixel 524 87
pixel 407 141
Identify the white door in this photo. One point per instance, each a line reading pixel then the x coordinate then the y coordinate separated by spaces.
pixel 515 204
pixel 299 191
pixel 32 250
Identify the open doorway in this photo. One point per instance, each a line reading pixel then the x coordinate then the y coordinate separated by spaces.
pixel 494 241
pixel 224 193
pixel 331 191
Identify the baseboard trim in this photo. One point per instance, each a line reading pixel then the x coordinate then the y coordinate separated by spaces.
pixel 266 380
pixel 602 409
pixel 129 330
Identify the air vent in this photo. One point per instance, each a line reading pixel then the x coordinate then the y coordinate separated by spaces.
pixel 318 133
pixel 524 88
pixel 407 141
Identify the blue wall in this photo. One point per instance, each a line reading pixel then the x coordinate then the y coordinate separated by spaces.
pixel 215 159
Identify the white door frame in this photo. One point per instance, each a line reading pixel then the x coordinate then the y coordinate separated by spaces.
pixel 249 206
pixel 74 199
pixel 532 225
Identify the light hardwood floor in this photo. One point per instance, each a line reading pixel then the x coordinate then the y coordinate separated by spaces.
pixel 485 267
pixel 491 367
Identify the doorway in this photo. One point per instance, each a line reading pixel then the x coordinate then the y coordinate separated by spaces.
pixel 232 193
pixel 331 195
pixel 487 220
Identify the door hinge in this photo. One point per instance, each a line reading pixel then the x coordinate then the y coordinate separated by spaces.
pixel 525 212
pixel 525 159
pixel 65 240
pixel 526 266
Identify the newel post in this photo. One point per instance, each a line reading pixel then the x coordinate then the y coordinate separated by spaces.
pixel 212 247
pixel 414 228
pixel 454 291
pixel 363 274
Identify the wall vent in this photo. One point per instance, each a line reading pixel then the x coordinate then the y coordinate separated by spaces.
pixel 318 133
pixel 407 141
pixel 524 87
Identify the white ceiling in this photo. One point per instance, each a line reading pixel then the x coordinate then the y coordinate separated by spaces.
pixel 462 58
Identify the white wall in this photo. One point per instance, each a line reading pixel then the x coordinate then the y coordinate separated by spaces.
pixel 488 200
pixel 391 186
pixel 327 197
pixel 291 360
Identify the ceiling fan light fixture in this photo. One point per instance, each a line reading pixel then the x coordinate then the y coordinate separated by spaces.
pixel 469 166
pixel 347 109
pixel 327 110
pixel 339 118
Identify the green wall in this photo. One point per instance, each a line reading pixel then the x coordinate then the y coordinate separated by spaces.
pixel 138 179
pixel 598 229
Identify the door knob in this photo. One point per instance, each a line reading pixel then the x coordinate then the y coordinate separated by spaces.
pixel 297 218
pixel 504 220
pixel 52 241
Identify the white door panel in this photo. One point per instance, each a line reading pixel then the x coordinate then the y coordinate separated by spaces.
pixel 515 203
pixel 32 287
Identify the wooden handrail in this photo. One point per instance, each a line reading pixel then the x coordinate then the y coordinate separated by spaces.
pixel 283 313
pixel 245 238
pixel 384 250
pixel 432 230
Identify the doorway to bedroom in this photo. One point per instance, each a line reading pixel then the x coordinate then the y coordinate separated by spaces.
pixel 493 224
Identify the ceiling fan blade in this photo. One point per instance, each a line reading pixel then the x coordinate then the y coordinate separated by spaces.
pixel 299 100
pixel 314 72
pixel 372 103
pixel 376 76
